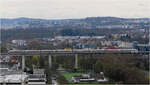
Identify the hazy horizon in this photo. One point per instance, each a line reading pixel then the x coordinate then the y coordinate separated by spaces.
pixel 74 18
pixel 72 9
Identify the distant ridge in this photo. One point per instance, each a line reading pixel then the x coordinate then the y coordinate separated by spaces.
pixel 107 17
pixel 89 22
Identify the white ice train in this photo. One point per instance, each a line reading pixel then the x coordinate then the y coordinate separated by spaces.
pixel 37 79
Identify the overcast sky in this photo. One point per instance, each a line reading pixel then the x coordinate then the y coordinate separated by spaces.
pixel 58 9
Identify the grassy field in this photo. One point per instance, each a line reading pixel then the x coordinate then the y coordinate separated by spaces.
pixel 68 76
